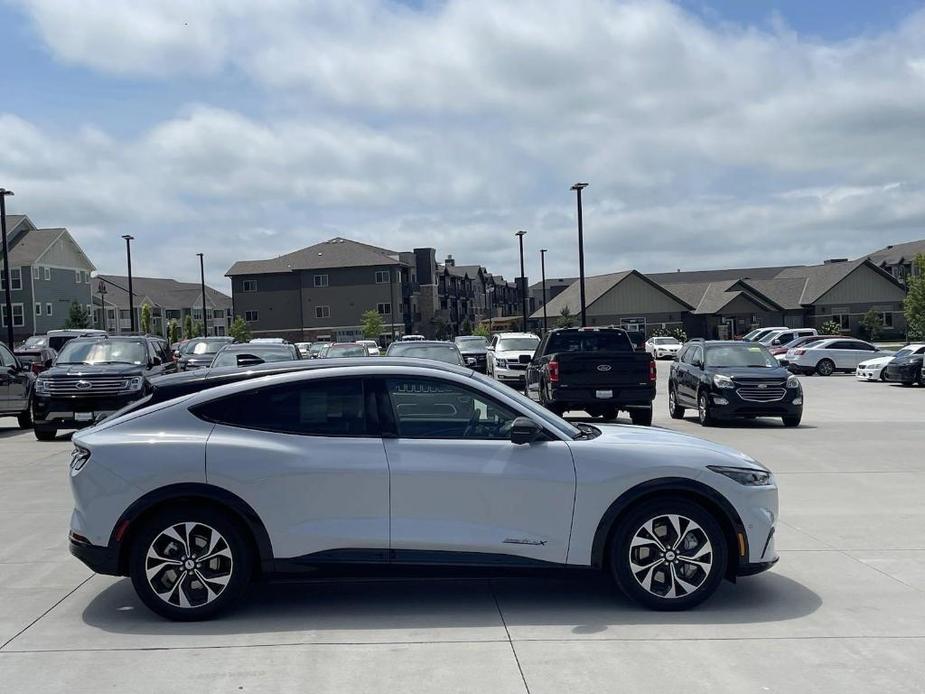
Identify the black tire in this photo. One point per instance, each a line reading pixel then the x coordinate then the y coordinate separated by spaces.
pixel 705 581
pixel 642 416
pixel 825 367
pixel 594 411
pixel 703 410
pixel 201 520
pixel 793 421
pixel 45 433
pixel 24 419
pixel 610 413
pixel 675 411
pixel 906 384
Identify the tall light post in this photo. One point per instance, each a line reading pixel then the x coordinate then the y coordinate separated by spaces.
pixel 131 294
pixel 7 287
pixel 523 280
pixel 101 290
pixel 578 187
pixel 543 252
pixel 202 282
pixel 392 301
pixel 490 291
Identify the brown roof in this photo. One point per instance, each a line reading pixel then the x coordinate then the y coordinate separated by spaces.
pixel 333 253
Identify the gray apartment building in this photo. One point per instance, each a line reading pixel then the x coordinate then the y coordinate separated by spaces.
pixel 168 298
pixel 48 272
pixel 321 293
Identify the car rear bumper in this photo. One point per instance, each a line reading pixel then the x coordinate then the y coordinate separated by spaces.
pixel 604 395
pixel 101 560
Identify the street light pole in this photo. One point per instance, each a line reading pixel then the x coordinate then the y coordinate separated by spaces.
pixel 491 308
pixel 202 282
pixel 543 279
pixel 578 187
pixel 7 287
pixel 101 289
pixel 523 280
pixel 392 301
pixel 131 294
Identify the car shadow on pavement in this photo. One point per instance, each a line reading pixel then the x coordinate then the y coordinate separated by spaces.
pixel 583 605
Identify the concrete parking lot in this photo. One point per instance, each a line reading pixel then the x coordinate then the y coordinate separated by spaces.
pixel 844 610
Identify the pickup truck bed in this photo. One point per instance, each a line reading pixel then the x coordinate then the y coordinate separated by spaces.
pixel 595 370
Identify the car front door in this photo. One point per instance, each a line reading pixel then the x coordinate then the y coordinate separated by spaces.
pixel 690 374
pixel 307 456
pixel 460 487
pixel 857 352
pixel 8 373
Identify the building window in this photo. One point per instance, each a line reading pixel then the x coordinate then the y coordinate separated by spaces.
pixel 382 276
pixel 77 277
pixel 47 273
pixel 322 311
pixel 321 280
pixel 38 308
pixel 15 278
pixel 37 273
pixel 250 285
pixel 89 309
pixel 384 309
pixel 111 313
pixel 18 316
pixel 48 309
pixel 843 320
pixel 250 316
pixel 886 318
pixel 197 313
pixel 86 277
pixel 218 313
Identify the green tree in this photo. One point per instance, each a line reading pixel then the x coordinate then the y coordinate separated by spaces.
pixel 871 324
pixel 77 317
pixel 197 329
pixel 482 331
pixel 173 331
pixel 188 326
pixel 146 318
pixel 565 319
pixel 914 303
pixel 830 327
pixel 239 330
pixel 372 324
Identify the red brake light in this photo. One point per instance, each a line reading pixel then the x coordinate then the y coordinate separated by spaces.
pixel 553 370
pixel 798 352
pixel 652 372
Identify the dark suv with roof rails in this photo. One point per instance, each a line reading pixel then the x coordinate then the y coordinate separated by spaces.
pixel 732 379
pixel 93 377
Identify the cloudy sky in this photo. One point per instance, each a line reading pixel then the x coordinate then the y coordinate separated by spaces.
pixel 713 133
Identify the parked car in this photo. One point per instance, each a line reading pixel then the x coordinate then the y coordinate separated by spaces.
pixel 345 349
pixel 17 383
pixel 758 333
pixel 830 355
pixel 663 347
pixel 906 367
pixel 93 377
pixel 726 380
pixel 446 352
pixel 58 338
pixel 596 370
pixel 33 342
pixel 371 346
pixel 38 358
pixel 412 338
pixel 509 354
pixel 777 338
pixel 873 369
pixel 474 350
pixel 780 351
pixel 304 349
pixel 250 354
pixel 317 349
pixel 199 352
pixel 418 464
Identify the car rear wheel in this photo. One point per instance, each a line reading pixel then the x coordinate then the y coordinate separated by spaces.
pixel 45 433
pixel 675 411
pixel 825 367
pixel 189 563
pixel 610 413
pixel 668 554
pixel 641 416
pixel 703 410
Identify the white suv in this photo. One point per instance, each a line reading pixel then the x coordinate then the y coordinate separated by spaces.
pixel 415 463
pixel 509 354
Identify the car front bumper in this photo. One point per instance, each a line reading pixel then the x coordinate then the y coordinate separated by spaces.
pixel 870 373
pixel 510 374
pixel 902 374
pixel 77 412
pixel 727 404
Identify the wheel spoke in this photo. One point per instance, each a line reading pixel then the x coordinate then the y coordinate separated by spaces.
pixel 152 571
pixel 174 535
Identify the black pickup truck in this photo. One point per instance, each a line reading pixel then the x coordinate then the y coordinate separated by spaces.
pixel 592 369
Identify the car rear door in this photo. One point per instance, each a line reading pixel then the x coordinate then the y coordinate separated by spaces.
pixel 460 489
pixel 307 456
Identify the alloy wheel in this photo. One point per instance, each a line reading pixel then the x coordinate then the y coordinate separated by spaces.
pixel 702 408
pixel 670 556
pixel 188 565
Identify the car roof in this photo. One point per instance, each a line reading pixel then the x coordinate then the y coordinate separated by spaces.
pixel 249 347
pixel 424 343
pixel 500 335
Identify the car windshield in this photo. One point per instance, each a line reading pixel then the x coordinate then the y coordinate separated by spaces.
pixel 726 356
pixel 444 353
pixel 35 341
pixel 518 344
pixel 475 341
pixel 665 341
pixel 103 352
pixel 234 357
pixel 347 351
pixel 196 347
pixel 317 347
pixel 589 341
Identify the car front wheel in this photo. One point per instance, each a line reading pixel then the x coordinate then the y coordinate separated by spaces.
pixel 668 554
pixel 703 410
pixel 674 410
pixel 190 563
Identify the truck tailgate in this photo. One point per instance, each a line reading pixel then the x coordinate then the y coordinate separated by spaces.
pixel 603 369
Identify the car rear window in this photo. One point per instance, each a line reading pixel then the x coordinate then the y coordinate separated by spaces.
pixel 589 341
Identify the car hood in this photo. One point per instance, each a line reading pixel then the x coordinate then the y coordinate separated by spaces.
pixel 744 373
pixel 472 350
pixel 517 354
pixel 905 361
pixel 94 370
pixel 879 361
pixel 634 437
pixel 669 346
pixel 199 358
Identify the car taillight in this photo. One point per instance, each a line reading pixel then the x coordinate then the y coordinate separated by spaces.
pixel 798 352
pixel 652 372
pixel 553 370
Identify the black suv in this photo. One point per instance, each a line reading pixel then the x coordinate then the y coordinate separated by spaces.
pixel 725 379
pixel 16 384
pixel 93 377
pixel 474 350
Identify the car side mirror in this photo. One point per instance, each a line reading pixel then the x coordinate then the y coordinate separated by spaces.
pixel 156 361
pixel 490 348
pixel 49 363
pixel 697 362
pixel 775 342
pixel 525 430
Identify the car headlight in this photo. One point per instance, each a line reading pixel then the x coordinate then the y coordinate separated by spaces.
pixel 133 384
pixel 41 386
pixel 721 381
pixel 793 381
pixel 744 476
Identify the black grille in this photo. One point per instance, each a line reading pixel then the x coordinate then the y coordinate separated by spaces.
pixel 87 385
pixel 763 393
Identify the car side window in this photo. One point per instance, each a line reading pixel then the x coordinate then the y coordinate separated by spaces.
pixel 6 357
pixel 325 407
pixel 697 356
pixel 684 354
pixel 430 408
